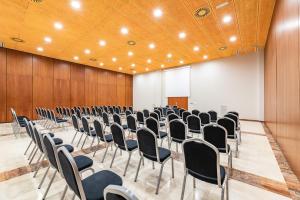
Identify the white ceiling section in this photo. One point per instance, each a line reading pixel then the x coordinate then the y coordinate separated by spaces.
pixel 177 82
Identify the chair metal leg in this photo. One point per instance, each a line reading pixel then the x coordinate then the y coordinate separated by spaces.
pixel 172 160
pixel 161 142
pixel 159 178
pixel 236 148
pixel 84 141
pixel 40 164
pixel 73 197
pixel 50 183
pixel 74 137
pixel 32 151
pixel 176 147
pixel 64 193
pixel 96 148
pixel 33 156
pixel 28 147
pixel 92 142
pixel 194 182
pixel 43 179
pixel 138 169
pixel 153 167
pixel 105 152
pixel 127 163
pixel 79 139
pixel 183 186
pixel 222 193
pixel 112 161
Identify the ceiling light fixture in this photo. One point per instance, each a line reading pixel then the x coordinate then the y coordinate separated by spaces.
pixel 87 51
pixel 149 61
pixel 102 43
pixel 47 39
pixel 196 48
pixel 131 42
pixel 147 69
pixel 221 5
pixel 120 68
pixel 169 55
pixel 227 19
pixel 151 46
pixel 157 13
pixel 233 38
pixel 162 65
pixel 134 71
pixel 17 39
pixel 132 65
pixel 205 57
pixel 76 58
pixel 130 53
pixel 40 49
pixel 181 61
pixel 101 64
pixel 75 4
pixel 58 25
pixel 124 31
pixel 182 35
pixel 114 59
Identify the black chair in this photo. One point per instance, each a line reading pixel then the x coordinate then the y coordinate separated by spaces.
pixel 195 112
pixel 158 112
pixel 217 136
pixel 178 132
pixel 89 188
pixel 172 116
pixel 184 115
pixel 117 119
pixel 106 121
pixel 149 149
pixel 140 118
pixel 131 124
pixel 194 124
pixel 202 161
pixel 90 132
pixel 229 125
pixel 131 109
pixel 128 112
pixel 235 118
pixel 205 118
pixel 170 112
pixel 156 116
pixel 146 113
pixel 181 112
pixel 234 112
pixel 121 143
pixel 76 127
pixel 101 136
pixel 115 192
pixel 153 125
pixel 213 116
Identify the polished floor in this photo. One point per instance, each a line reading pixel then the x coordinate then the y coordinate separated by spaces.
pixel 260 171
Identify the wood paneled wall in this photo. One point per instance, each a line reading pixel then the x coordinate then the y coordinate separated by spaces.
pixel 28 81
pixel 282 80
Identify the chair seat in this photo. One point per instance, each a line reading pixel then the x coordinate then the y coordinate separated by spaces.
pixel 82 130
pixel 108 138
pixel 95 184
pixel 83 162
pixel 57 141
pixel 70 148
pixel 209 179
pixel 59 120
pixel 231 137
pixel 224 150
pixel 162 134
pixel 161 124
pixel 124 126
pixel 93 133
pixel 194 131
pixel 163 154
pixel 179 140
pixel 131 145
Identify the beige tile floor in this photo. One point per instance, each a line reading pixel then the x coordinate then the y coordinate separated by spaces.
pixel 256 157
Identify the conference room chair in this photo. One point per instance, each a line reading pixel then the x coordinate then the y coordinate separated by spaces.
pixel 234 112
pixel 148 148
pixel 194 124
pixel 106 120
pixel 172 116
pixel 111 110
pixel 131 124
pixel 124 109
pixel 177 132
pixel 131 109
pixel 121 143
pixel 196 152
pixel 99 111
pixel 184 116
pixel 205 118
pixel 18 122
pixel 170 112
pixel 146 113
pixel 76 128
pixel 89 188
pixel 83 163
pixel 128 112
pixel 105 109
pixel 101 136
pixel 235 118
pixel 153 125
pixel 116 192
pixel 213 116
pixel 57 120
pixel 117 119
pixel 229 125
pixel 88 131
pixel 94 112
pixel 195 112
pixel 117 110
pixel 159 113
pixel 140 118
pixel 180 112
pixel 156 116
pixel 217 136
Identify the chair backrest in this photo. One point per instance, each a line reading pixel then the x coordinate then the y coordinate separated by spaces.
pixel 117 110
pixel 94 111
pixel 140 117
pixel 170 112
pixel 128 112
pixel 234 118
pixel 178 130
pixel 153 125
pixel 147 143
pixel 70 172
pixel 195 112
pixel 116 192
pixel 205 118
pixel 50 149
pixel 28 131
pixel 234 112
pixel 131 123
pixel 201 158
pixel 131 109
pixel 99 129
pixel 105 109
pixel 172 116
pixel 38 138
pixel 118 135
pixel 213 115
pixel 88 111
pixel 194 123
pixel 111 110
pixel 64 111
pixel 181 112
pixel 78 113
pixel 85 125
pixel 117 119
pixel 146 113
pixel 184 115
pixel 105 118
pixel 229 125
pixel 216 135
pixel 164 111
pixel 75 122
pixel 100 111
pixel 157 111
pixel 154 115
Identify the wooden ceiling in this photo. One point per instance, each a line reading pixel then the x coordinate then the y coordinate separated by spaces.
pixel 102 19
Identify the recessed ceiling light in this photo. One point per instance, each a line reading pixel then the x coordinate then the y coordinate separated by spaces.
pixel 147 69
pixel 196 48
pixel 227 19
pixel 181 61
pixel 149 61
pixel 132 65
pixel 17 39
pixel 223 48
pixel 131 42
pixel 120 68
pixel 87 51
pixel 169 55
pixel 221 5
pixel 101 64
pixel 205 57
pixel 134 71
pixel 40 49
pixel 182 35
pixel 124 30
pixel 233 38
pixel 76 58
pixel 75 4
pixel 114 59
pixel 162 65
pixel 47 39
pixel 151 45
pixel 130 53
pixel 157 13
pixel 58 25
pixel 102 43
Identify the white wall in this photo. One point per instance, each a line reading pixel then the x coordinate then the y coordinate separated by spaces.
pixel 234 83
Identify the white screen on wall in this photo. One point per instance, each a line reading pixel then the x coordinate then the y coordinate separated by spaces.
pixel 177 82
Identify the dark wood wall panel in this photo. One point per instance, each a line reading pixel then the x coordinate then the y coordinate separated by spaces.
pixel 282 80
pixel 61 85
pixel 19 83
pixel 103 97
pixel 77 85
pixel 42 83
pixel 128 90
pixel 91 83
pixel 2 85
pixel 121 89
pixel 112 88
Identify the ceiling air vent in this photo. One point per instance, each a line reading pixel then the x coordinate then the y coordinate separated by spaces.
pixel 17 39
pixel 37 1
pixel 202 12
pixel 93 59
pixel 131 42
